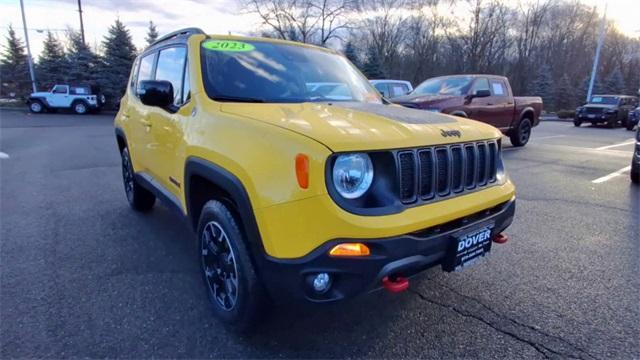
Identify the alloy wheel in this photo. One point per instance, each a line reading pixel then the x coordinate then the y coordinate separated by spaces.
pixel 127 175
pixel 525 132
pixel 36 107
pixel 80 108
pixel 219 266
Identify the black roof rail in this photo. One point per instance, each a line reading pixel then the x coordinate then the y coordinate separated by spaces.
pixel 176 34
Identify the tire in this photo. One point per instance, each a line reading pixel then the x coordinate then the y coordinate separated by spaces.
pixel 577 123
pixel 635 177
pixel 224 256
pixel 521 135
pixel 611 124
pixel 36 107
pixel 140 199
pixel 630 125
pixel 80 107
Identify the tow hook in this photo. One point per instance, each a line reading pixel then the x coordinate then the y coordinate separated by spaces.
pixel 395 284
pixel 500 238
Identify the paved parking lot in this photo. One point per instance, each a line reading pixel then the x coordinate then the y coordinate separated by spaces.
pixel 81 275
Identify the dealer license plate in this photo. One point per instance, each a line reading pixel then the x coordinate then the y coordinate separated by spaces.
pixel 468 248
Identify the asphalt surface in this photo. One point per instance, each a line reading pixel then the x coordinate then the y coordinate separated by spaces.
pixel 82 275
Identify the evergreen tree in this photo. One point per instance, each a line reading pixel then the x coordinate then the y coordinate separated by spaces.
pixel 351 54
pixel 614 82
pixel 565 94
pixel 542 85
pixel 119 54
pixel 52 64
pixel 372 68
pixel 152 33
pixel 82 63
pixel 14 68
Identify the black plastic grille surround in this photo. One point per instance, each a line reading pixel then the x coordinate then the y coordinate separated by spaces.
pixel 442 171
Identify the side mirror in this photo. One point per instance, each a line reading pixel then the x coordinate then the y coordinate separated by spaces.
pixel 482 93
pixel 478 94
pixel 156 93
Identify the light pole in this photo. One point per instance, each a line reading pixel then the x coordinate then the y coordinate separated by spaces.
pixel 26 38
pixel 81 24
pixel 597 57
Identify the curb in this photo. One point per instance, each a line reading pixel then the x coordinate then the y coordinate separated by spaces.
pixel 556 119
pixel 26 109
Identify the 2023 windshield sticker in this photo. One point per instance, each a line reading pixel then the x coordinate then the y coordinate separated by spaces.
pixel 227 45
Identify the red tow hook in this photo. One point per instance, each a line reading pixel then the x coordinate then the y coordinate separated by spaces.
pixel 398 284
pixel 500 238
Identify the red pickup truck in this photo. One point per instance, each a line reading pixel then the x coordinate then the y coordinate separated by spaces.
pixel 486 98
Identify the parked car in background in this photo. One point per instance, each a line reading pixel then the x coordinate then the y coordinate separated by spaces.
pixel 392 88
pixel 609 109
pixel 486 98
pixel 329 90
pixel 633 118
pixel 79 98
pixel 635 161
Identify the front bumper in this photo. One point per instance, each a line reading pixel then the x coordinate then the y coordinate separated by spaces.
pixel 597 118
pixel 403 255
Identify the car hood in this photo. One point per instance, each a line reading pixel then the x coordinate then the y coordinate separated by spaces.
pixel 40 93
pixel 600 106
pixel 423 99
pixel 362 126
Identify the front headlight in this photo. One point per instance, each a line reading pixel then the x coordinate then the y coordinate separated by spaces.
pixel 352 175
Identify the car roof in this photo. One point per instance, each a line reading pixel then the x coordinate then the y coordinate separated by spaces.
pixel 379 81
pixel 182 36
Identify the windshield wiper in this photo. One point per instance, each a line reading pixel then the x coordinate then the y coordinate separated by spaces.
pixel 238 99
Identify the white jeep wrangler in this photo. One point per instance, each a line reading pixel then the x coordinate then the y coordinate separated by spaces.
pixel 81 99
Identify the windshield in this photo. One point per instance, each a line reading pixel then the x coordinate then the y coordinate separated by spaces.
pixel 444 86
pixel 604 100
pixel 256 71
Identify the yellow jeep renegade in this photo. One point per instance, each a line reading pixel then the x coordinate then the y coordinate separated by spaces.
pixel 299 179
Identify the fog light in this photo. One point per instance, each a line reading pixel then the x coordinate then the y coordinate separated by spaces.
pixel 321 282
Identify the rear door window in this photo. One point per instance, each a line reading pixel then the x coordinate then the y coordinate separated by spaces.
pixel 498 88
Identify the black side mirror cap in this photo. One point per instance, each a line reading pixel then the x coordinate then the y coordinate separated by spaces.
pixel 482 93
pixel 478 94
pixel 156 93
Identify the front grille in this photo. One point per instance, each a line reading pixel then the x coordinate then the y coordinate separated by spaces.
pixel 592 110
pixel 442 171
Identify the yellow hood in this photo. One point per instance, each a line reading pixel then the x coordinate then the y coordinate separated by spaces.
pixel 362 126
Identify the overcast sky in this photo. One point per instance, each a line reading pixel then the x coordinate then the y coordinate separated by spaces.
pixel 213 16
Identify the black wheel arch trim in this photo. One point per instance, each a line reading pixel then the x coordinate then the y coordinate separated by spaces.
pixel 229 183
pixel 41 99
pixel 524 113
pixel 120 133
pixel 459 113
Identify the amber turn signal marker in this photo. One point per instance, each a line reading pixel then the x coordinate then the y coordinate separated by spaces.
pixel 302 170
pixel 350 249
